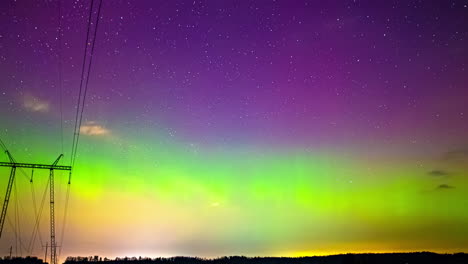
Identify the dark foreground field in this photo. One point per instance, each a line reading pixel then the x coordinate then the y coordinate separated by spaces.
pixel 393 258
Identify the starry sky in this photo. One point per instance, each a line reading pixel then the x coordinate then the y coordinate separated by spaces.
pixel 213 128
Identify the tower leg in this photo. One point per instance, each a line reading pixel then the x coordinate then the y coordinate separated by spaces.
pixel 7 198
pixel 53 247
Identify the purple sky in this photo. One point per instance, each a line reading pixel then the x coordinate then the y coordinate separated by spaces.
pixel 295 71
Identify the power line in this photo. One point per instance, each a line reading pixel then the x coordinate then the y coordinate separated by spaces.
pixel 37 216
pixel 3 145
pixel 38 219
pixel 36 213
pixel 81 102
pixel 80 109
pixel 60 70
pixel 81 81
pixel 87 82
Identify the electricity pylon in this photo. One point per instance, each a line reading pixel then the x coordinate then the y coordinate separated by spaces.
pixel 13 165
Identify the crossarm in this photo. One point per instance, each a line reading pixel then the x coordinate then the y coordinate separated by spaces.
pixel 34 166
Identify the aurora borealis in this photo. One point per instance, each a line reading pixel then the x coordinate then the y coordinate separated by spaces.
pixel 213 128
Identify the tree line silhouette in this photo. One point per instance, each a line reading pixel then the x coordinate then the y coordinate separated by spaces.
pixel 390 258
pixel 21 260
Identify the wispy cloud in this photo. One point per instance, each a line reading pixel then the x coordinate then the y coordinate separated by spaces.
pixel 438 173
pixel 92 128
pixel 460 154
pixel 445 187
pixel 34 104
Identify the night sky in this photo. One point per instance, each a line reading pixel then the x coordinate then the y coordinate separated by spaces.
pixel 212 128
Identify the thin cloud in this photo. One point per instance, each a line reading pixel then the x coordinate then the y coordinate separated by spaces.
pixel 94 129
pixel 459 154
pixel 438 173
pixel 445 187
pixel 34 104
